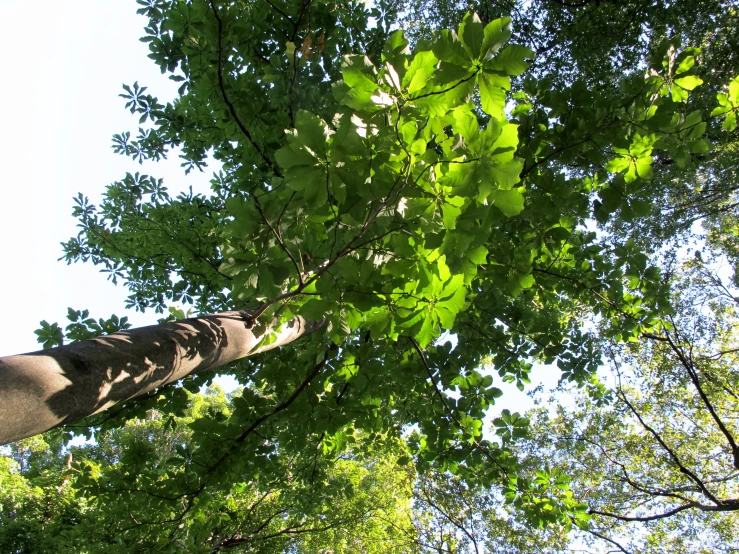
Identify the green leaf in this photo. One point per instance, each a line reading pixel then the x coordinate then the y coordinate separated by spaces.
pixel 526 281
pixel 359 73
pixel 419 72
pixel 312 181
pixel 689 82
pixel 448 48
pixel 730 122
pixel 471 32
pixel 505 141
pixel 396 52
pixel 510 202
pixel 700 146
pixel 435 105
pixel 640 208
pixel 448 74
pixel 316 310
pixel 506 174
pixel 450 214
pixel 49 335
pixel 496 34
pixel 359 84
pixel 427 332
pixel 292 155
pixel 734 91
pixel 451 302
pixel 313 133
pixel 644 167
pixel 478 255
pixel 685 65
pixel 493 89
pixel 678 94
pixel 616 165
pixel 512 60
pixel 466 125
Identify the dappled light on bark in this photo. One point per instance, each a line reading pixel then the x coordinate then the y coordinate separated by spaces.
pixel 61 385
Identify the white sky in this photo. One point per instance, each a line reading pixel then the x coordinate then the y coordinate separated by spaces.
pixel 63 66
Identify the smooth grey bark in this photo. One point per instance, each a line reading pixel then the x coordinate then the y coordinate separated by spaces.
pixel 41 390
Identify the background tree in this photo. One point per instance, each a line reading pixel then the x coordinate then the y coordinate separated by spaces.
pixel 657 465
pixel 94 499
pixel 451 516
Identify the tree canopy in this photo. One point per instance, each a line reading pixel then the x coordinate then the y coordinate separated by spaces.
pixel 442 209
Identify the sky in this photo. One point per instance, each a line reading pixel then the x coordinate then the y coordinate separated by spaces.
pixel 60 107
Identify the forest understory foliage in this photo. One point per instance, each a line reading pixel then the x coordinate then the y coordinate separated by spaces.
pixel 551 183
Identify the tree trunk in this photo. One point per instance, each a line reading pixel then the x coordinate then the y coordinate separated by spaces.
pixel 41 390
